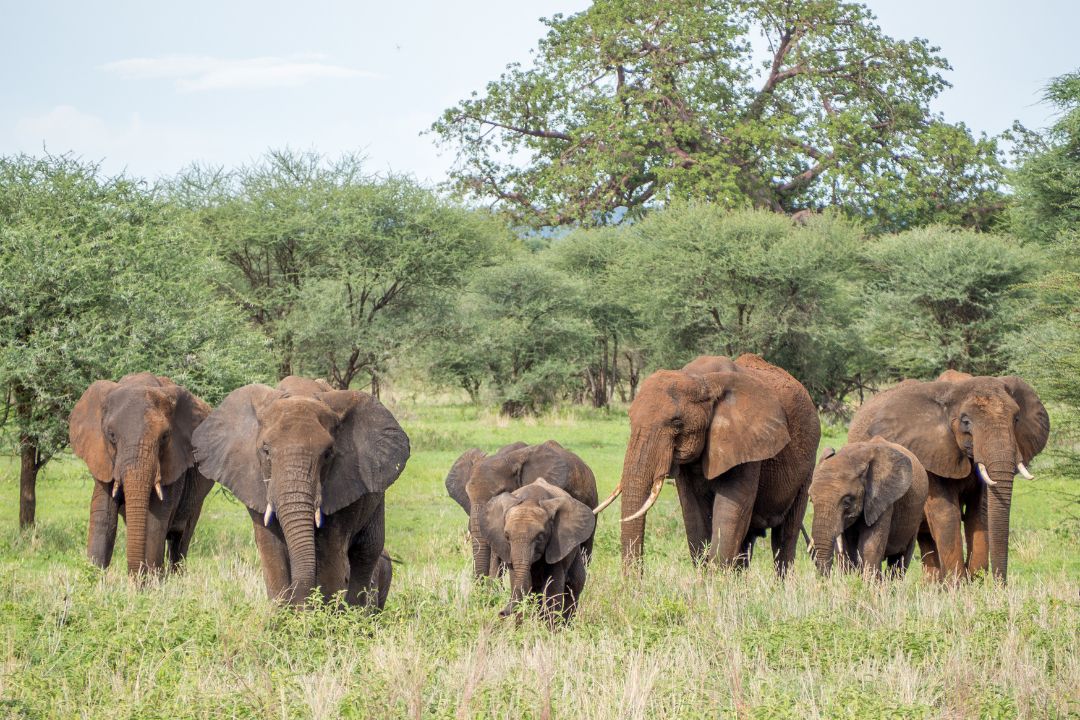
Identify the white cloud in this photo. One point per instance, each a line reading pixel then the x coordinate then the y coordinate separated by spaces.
pixel 193 73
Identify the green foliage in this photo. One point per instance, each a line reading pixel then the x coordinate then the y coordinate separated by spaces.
pixel 711 282
pixel 95 283
pixel 630 104
pixel 941 298
pixel 338 268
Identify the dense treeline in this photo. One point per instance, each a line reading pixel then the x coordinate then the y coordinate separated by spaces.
pixel 300 264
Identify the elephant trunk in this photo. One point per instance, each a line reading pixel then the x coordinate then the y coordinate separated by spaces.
pixel 140 474
pixel 648 459
pixel 295 508
pixel 481 549
pixel 520 575
pixel 824 533
pixel 1000 463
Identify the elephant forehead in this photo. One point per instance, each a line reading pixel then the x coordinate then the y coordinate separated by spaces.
pixel 994 403
pixel 527 512
pixel 135 406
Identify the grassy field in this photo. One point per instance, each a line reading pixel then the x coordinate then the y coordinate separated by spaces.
pixel 678 642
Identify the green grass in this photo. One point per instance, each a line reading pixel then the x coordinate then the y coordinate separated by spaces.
pixel 677 642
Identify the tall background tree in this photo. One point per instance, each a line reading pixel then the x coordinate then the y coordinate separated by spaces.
pixel 95 283
pixel 775 104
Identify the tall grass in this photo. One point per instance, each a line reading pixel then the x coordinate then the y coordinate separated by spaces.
pixel 676 642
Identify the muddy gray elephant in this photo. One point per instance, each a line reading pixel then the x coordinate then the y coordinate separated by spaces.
pixel 312 466
pixel 476 477
pixel 871 495
pixel 972 434
pixel 135 437
pixel 540 532
pixel 740 439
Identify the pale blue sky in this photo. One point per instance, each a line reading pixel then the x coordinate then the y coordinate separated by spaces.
pixel 150 87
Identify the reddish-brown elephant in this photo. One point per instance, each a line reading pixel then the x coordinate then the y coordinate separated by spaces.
pixel 740 440
pixel 870 494
pixel 135 436
pixel 972 434
pixel 312 466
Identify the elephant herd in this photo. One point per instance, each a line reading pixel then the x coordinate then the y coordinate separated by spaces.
pixel 931 463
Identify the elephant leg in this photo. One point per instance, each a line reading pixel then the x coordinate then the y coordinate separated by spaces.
pixel 943 516
pixel 363 556
pixel 555 599
pixel 928 553
pixel 785 537
pixel 332 562
pixel 274 557
pixel 187 516
pixel 102 533
pixel 575 584
pixel 157 531
pixel 696 500
pixel 898 563
pixel 976 531
pixel 733 506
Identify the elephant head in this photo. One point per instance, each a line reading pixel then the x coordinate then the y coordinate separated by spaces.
pixel 863 480
pixel 297 457
pixel 725 418
pixel 536 522
pixel 990 425
pixel 135 437
pixel 476 478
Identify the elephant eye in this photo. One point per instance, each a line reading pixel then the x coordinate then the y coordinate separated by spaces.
pixel 965 423
pixel 265 450
pixel 1016 419
pixel 677 423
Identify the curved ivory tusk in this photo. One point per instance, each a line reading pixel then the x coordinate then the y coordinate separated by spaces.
pixel 656 488
pixel 159 491
pixel 1024 471
pixel 985 475
pixel 268 515
pixel 318 517
pixel 115 487
pixel 610 499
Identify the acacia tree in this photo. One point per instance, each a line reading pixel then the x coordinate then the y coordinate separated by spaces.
pixel 337 267
pixel 95 283
pixel 778 104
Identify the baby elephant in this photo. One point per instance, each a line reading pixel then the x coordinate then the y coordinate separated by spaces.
pixel 540 532
pixel 871 494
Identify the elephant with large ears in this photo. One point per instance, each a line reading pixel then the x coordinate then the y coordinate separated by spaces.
pixel 135 436
pixel 871 494
pixel 312 466
pixel 972 434
pixel 540 532
pixel 740 440
pixel 476 478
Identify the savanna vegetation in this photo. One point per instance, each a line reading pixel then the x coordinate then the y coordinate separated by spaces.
pixel 652 188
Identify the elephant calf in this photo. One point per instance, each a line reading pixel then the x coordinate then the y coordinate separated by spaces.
pixel 476 478
pixel 540 532
pixel 872 494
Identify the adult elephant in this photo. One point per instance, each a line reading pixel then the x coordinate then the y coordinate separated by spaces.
pixel 740 438
pixel 972 434
pixel 312 466
pixel 475 478
pixel 135 437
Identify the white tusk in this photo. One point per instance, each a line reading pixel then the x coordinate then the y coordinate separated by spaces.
pixel 1024 471
pixel 611 498
pixel 268 514
pixel 159 491
pixel 657 487
pixel 985 475
pixel 318 517
pixel 115 487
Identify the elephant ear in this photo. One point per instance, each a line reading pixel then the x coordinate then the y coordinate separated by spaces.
pixel 370 449
pixel 189 412
pixel 748 423
pixel 492 521
pixel 547 460
pixel 574 523
pixel 85 433
pixel 888 476
pixel 914 415
pixel 226 444
pixel 458 477
pixel 1033 428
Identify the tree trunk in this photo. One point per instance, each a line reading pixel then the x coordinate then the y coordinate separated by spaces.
pixel 27 482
